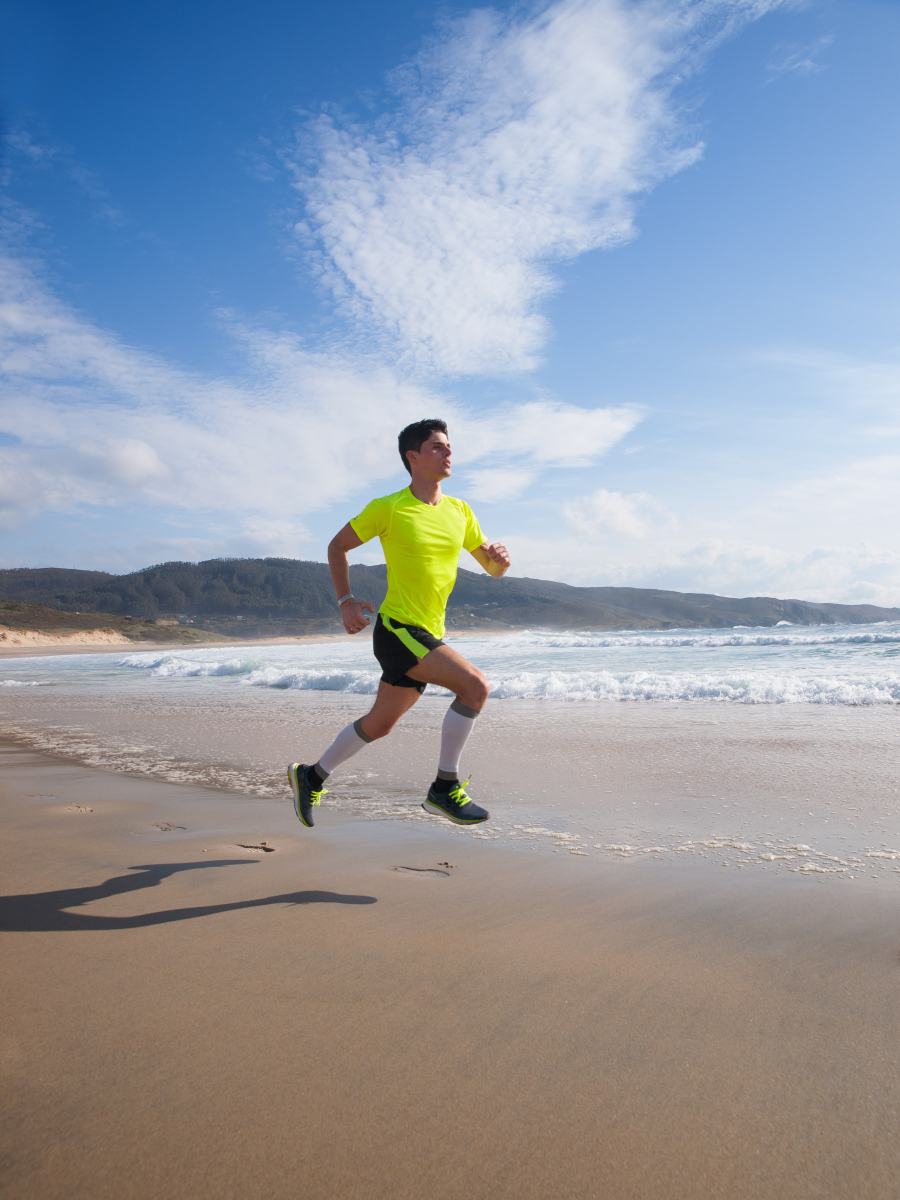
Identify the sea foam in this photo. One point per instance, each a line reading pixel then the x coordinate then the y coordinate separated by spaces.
pixel 823 665
pixel 169 666
pixel 365 682
pixel 756 688
pixel 661 640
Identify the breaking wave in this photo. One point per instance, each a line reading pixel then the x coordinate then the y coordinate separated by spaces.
pixel 546 665
pixel 365 682
pixel 750 688
pixel 170 666
pixel 601 641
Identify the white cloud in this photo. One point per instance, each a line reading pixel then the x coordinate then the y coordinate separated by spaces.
pixel 102 423
pixel 517 141
pixel 830 537
pixel 127 460
pixel 623 514
pixel 839 573
pixel 520 440
pixel 494 485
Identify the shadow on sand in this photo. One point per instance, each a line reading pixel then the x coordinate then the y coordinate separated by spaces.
pixel 46 911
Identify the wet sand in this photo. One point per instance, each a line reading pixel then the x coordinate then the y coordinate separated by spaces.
pixel 761 787
pixel 189 1016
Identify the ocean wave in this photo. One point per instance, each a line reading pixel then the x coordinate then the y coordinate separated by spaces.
pixel 18 683
pixel 169 666
pixel 751 688
pixel 601 641
pixel 143 660
pixel 364 682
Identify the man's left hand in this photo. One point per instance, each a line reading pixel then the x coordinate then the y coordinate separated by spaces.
pixel 497 553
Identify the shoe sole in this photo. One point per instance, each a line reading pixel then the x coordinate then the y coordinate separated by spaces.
pixel 439 812
pixel 294 781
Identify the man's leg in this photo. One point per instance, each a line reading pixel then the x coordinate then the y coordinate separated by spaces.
pixel 308 782
pixel 445 667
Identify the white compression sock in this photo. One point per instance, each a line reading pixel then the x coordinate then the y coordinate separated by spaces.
pixel 347 743
pixel 458 724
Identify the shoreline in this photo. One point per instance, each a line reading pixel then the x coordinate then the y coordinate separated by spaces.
pixel 72 647
pixel 605 1029
pixel 775 790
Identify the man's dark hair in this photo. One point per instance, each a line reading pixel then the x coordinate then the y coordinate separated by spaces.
pixel 414 435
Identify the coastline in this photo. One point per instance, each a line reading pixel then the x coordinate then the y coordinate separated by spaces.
pixel 72 646
pixel 192 1017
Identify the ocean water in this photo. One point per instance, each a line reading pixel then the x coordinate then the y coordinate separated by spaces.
pixel 834 665
pixel 774 748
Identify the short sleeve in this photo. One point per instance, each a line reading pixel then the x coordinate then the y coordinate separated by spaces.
pixel 372 521
pixel 473 537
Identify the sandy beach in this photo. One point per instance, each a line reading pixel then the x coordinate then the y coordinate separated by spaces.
pixel 566 330
pixel 204 999
pixel 52 645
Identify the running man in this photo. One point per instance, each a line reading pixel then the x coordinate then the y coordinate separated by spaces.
pixel 422 532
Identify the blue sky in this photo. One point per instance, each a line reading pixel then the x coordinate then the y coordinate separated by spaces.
pixel 642 256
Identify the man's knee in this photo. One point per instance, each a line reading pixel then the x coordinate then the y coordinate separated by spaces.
pixel 375 727
pixel 476 692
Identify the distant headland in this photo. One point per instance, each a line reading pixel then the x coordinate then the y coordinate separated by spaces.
pixel 282 597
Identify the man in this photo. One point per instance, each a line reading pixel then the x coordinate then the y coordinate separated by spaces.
pixel 422 532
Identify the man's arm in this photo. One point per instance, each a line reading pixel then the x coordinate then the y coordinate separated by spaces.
pixel 493 557
pixel 338 548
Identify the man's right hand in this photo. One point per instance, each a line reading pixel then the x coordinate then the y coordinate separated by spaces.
pixel 352 615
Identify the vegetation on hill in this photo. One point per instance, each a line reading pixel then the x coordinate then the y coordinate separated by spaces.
pixel 264 597
pixel 256 587
pixel 37 618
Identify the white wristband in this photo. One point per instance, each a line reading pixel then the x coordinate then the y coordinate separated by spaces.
pixel 344 599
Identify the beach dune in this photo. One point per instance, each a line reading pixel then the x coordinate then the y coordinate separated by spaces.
pixel 81 638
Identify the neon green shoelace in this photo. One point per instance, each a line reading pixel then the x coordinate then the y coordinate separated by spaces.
pixel 316 797
pixel 458 794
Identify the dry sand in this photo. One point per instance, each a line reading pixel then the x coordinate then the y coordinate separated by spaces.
pixel 186 1016
pixel 29 641
pixel 30 644
pixel 99 642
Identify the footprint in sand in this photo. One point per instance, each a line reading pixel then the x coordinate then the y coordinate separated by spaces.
pixel 423 872
pixel 79 808
pixel 262 848
pixel 167 828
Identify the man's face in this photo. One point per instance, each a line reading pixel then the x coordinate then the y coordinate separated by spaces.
pixel 433 459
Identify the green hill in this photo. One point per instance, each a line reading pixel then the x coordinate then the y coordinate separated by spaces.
pixel 254 597
pixel 38 618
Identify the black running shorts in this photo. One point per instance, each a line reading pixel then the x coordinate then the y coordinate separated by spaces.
pixel 399 647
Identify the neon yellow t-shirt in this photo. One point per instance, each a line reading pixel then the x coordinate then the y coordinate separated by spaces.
pixel 421 545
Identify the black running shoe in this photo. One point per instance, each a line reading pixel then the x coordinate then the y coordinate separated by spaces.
pixel 455 805
pixel 304 796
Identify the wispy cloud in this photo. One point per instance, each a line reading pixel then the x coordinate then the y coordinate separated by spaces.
pixel 798 60
pixel 867 383
pixel 516 141
pixel 520 441
pixel 19 149
pixel 102 423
